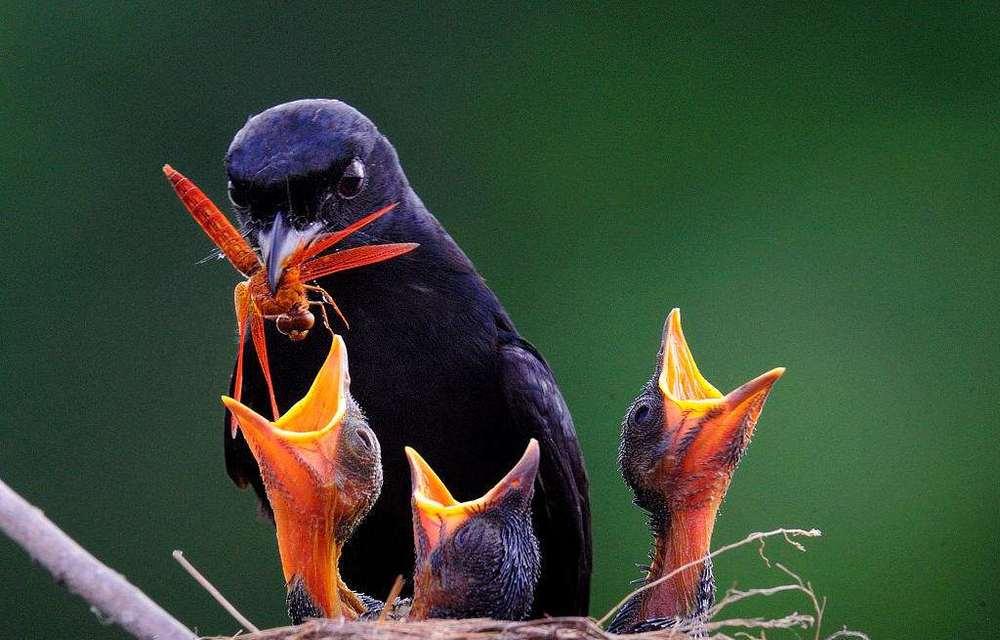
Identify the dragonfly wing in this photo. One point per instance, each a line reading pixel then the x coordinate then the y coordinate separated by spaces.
pixel 353 258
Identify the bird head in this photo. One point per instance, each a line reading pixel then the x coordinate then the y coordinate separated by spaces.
pixel 306 167
pixel 321 467
pixel 478 558
pixel 681 441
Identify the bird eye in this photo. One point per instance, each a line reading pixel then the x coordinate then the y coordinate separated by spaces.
pixel 365 439
pixel 352 181
pixel 641 413
pixel 237 196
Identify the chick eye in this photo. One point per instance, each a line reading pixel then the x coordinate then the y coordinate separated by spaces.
pixel 237 196
pixel 641 414
pixel 352 181
pixel 364 438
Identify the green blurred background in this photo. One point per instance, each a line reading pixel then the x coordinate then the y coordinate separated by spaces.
pixel 815 188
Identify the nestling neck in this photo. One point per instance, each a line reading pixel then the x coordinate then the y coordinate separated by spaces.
pixel 310 555
pixel 679 538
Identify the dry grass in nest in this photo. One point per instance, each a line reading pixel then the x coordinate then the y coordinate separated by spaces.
pixel 718 626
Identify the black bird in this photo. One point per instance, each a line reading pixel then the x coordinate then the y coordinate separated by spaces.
pixel 438 363
pixel 681 441
pixel 475 559
pixel 322 473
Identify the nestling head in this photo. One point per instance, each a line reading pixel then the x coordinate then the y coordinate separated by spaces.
pixel 681 441
pixel 681 438
pixel 478 558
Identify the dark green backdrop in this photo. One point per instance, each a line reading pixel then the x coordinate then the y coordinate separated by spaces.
pixel 815 188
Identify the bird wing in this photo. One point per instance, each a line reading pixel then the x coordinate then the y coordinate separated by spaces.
pixel 561 503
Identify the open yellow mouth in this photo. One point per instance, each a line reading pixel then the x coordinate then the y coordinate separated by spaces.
pixel 315 415
pixel 437 511
pixel 429 491
pixel 680 379
pixel 683 384
pixel 724 423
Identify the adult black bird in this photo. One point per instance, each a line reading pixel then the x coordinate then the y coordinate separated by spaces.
pixel 438 363
pixel 475 559
pixel 681 441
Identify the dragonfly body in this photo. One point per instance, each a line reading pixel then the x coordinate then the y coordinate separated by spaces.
pixel 287 301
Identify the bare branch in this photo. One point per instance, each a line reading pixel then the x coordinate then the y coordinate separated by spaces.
pixel 107 591
pixel 790 621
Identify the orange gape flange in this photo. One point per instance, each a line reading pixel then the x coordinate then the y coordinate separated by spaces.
pixel 289 305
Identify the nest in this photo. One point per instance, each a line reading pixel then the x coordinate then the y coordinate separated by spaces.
pixel 714 625
pixel 481 629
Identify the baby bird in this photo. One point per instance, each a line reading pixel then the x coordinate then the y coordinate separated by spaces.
pixel 681 441
pixel 476 559
pixel 321 467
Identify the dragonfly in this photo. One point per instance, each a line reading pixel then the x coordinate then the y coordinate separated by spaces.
pixel 290 301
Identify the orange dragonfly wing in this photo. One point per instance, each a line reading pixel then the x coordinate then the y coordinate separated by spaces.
pixel 352 259
pixel 260 346
pixel 241 296
pixel 327 240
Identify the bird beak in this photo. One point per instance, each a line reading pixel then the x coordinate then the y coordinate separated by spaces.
pixel 298 460
pixel 716 428
pixel 279 243
pixel 437 515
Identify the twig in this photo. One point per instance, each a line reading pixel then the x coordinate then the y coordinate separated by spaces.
pixel 757 535
pixel 570 628
pixel 790 621
pixel 793 619
pixel 397 587
pixel 212 591
pixel 107 591
pixel 847 633
pixel 807 588
pixel 735 595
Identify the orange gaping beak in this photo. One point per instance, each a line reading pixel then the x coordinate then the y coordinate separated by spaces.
pixel 437 515
pixel 297 455
pixel 709 431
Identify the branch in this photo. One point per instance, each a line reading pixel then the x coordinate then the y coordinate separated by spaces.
pixel 107 591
